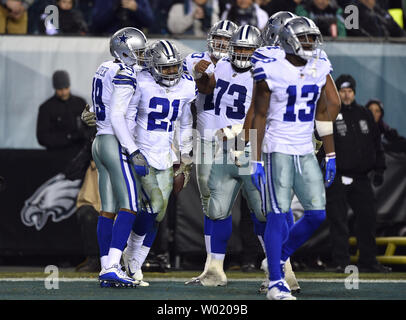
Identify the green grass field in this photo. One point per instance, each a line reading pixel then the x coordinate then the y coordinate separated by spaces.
pixel 170 286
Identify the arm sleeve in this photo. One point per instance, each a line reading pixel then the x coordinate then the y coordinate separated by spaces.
pixel 120 99
pixel 186 129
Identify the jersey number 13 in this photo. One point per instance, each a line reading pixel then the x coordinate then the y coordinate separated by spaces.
pixel 304 115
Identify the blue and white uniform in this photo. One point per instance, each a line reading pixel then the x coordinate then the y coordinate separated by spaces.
pixel 287 148
pixel 232 98
pixel 158 109
pixel 116 184
pixel 205 117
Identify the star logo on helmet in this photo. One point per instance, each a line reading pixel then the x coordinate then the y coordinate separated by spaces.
pixel 123 38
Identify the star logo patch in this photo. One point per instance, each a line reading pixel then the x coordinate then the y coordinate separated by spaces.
pixel 123 38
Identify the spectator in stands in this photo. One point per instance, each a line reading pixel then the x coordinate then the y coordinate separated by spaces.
pixel 59 127
pixel 111 15
pixel 392 141
pixel 244 12
pixel 327 16
pixel 71 21
pixel 359 152
pixel 274 6
pixel 192 17
pixel 374 22
pixel 13 16
pixel 161 12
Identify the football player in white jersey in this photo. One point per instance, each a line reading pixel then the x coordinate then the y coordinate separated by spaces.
pixel 291 94
pixel 163 95
pixel 231 85
pixel 217 44
pixel 270 49
pixel 115 180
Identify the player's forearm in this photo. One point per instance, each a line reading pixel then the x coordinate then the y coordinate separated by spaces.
pixel 328 144
pixel 186 130
pixel 258 124
pixel 119 105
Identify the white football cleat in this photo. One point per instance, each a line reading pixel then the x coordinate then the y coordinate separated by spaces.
pixel 215 275
pixel 133 269
pixel 287 273
pixel 115 277
pixel 196 280
pixel 280 291
pixel 291 278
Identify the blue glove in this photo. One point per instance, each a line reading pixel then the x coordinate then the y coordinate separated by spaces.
pixel 139 162
pixel 330 163
pixel 258 174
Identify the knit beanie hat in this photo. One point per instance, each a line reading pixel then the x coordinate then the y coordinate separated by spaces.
pixel 60 79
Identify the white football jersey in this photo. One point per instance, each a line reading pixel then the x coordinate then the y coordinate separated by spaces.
pixel 104 80
pixel 231 97
pixel 203 103
pixel 159 107
pixel 295 92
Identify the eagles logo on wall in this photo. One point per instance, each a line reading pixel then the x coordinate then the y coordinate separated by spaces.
pixel 55 198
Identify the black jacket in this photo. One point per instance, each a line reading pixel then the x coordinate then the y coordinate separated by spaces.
pixel 357 142
pixel 59 125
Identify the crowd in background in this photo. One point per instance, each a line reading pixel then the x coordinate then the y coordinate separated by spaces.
pixel 377 18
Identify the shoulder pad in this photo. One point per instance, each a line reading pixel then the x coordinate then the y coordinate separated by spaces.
pixel 126 70
pixel 125 76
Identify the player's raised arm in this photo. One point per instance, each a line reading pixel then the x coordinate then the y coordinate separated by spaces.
pixel 205 82
pixel 327 110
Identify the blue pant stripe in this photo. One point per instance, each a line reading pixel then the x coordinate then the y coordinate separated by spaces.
pixel 134 203
pixel 148 201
